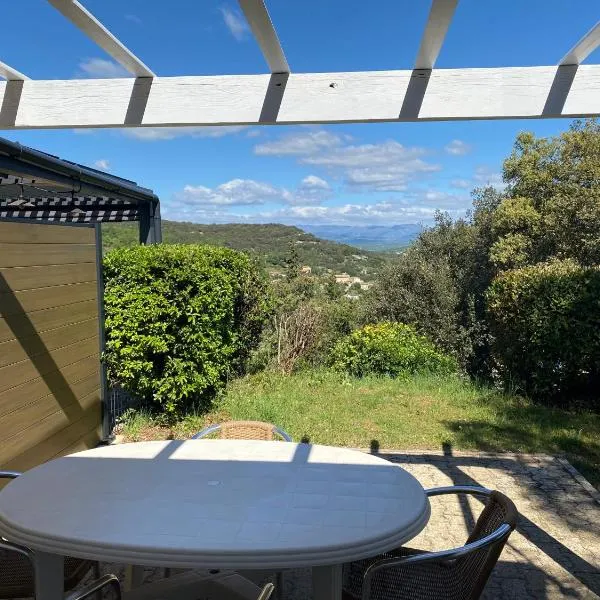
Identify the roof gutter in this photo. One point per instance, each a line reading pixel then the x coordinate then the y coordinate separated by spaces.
pixel 78 176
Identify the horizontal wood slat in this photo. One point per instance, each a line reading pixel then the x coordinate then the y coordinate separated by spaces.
pixel 28 278
pixel 49 318
pixel 21 422
pixel 33 344
pixel 39 233
pixel 18 373
pixel 46 427
pixel 29 255
pixel 57 383
pixel 86 442
pixel 49 297
pixel 368 96
pixel 86 428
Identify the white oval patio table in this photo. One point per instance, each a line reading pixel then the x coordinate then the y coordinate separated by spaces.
pixel 229 504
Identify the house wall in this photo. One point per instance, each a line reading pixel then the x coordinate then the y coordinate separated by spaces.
pixel 50 400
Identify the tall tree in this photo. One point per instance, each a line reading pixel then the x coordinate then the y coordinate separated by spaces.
pixel 552 204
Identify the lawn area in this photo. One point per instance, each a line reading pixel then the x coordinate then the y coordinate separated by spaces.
pixel 419 413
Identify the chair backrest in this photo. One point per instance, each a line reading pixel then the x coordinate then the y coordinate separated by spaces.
pixel 244 430
pixel 477 565
pixel 458 574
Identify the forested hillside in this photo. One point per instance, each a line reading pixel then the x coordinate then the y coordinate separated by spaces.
pixel 271 242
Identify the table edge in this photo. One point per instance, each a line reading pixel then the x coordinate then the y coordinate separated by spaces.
pixel 226 560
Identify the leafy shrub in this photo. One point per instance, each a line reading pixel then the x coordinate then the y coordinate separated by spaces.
pixel 389 349
pixel 546 321
pixel 179 319
pixel 419 290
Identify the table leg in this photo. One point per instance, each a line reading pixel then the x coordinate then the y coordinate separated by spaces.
pixel 134 577
pixel 327 582
pixel 49 576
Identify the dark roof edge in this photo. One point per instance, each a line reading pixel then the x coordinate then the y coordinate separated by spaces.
pixel 76 172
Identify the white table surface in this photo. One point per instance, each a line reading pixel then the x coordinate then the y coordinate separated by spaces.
pixel 229 504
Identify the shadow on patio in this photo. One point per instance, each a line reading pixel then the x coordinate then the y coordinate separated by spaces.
pixel 555 552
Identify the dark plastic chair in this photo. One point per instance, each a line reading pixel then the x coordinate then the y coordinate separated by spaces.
pixel 17 570
pixel 457 574
pixel 244 430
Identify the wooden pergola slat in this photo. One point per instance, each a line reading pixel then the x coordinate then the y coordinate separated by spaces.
pixel 419 94
pixel 438 22
pixel 371 96
pixel 260 23
pixel 92 28
pixel 11 74
pixel 583 48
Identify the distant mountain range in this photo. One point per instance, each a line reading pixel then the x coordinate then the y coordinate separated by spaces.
pixel 368 237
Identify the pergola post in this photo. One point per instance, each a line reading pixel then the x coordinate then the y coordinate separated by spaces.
pixel 157 224
pixel 150 224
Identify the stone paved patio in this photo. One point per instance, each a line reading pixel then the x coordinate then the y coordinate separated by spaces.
pixel 555 552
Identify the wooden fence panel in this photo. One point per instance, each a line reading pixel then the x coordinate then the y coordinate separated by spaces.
pixel 50 387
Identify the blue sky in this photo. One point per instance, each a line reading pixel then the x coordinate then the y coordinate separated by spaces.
pixel 344 174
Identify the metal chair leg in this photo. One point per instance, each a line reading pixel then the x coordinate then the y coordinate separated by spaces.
pixel 96 570
pixel 279 580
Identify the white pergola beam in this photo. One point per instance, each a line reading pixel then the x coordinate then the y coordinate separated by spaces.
pixel 438 22
pixel 11 74
pixel 583 48
pixel 260 23
pixel 374 96
pixel 92 28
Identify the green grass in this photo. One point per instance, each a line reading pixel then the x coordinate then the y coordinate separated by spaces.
pixel 419 413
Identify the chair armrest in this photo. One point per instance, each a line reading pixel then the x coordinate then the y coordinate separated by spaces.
pixel 283 434
pixel 9 474
pixel 444 555
pixel 23 550
pixel 459 489
pixel 266 592
pixel 206 431
pixel 107 581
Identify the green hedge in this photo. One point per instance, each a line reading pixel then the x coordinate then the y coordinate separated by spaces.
pixel 391 349
pixel 546 323
pixel 179 319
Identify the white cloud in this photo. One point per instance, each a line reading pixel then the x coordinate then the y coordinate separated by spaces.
pixel 199 214
pixel 316 182
pixel 233 193
pixel 235 22
pixel 437 199
pixel 103 164
pixel 457 148
pixel 384 167
pixel 461 184
pixel 152 134
pixel 485 176
pixel 208 206
pixel 243 192
pixel 312 190
pixel 304 144
pixel 134 19
pixel 380 213
pixel 101 68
